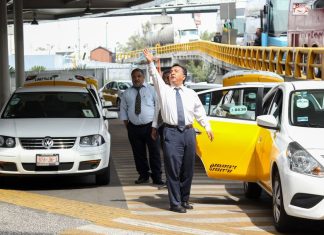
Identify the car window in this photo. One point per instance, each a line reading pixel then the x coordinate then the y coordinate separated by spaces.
pixel 306 108
pixel 237 103
pixel 205 100
pixel 108 86
pixel 123 86
pixel 276 106
pixel 51 105
pixel 114 85
pixel 267 104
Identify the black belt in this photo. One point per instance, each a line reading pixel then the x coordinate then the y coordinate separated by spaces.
pixel 142 125
pixel 175 126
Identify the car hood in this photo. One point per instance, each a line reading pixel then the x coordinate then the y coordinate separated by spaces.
pixel 53 127
pixel 308 138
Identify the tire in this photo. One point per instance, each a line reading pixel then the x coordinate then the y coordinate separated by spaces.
pixel 252 190
pixel 282 221
pixel 103 177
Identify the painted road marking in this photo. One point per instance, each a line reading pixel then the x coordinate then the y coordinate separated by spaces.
pixel 200 212
pixel 225 220
pixel 109 231
pixel 168 227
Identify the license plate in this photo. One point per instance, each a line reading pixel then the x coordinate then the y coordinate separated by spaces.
pixel 47 160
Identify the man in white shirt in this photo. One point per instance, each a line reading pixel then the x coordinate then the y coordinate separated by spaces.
pixel 179 107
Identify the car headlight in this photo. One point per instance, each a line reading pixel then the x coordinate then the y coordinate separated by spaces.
pixel 91 140
pixel 303 162
pixel 7 142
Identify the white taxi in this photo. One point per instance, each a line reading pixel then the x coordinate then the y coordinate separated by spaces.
pixel 274 143
pixel 55 125
pixel 290 151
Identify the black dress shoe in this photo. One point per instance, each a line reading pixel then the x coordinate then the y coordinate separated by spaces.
pixel 178 209
pixel 142 180
pixel 186 205
pixel 158 182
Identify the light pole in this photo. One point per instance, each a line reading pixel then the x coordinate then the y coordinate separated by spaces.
pixel 107 35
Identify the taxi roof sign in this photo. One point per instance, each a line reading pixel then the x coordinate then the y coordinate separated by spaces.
pixel 59 80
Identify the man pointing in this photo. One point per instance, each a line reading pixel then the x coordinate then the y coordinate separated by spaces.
pixel 179 107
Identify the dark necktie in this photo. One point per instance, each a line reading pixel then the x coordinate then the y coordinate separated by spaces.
pixel 160 120
pixel 180 112
pixel 138 101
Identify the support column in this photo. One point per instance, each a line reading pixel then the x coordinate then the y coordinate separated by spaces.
pixel 4 55
pixel 19 43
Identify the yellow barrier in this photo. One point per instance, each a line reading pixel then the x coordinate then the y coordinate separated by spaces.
pixel 291 62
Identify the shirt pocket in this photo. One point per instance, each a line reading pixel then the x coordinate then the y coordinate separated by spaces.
pixel 148 100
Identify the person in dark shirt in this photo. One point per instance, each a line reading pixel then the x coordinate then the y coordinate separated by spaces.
pixel 257 40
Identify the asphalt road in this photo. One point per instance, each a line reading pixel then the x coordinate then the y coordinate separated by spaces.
pixel 75 205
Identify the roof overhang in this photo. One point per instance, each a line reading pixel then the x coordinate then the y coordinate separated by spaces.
pixel 47 10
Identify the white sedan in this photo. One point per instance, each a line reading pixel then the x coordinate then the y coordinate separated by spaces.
pixel 290 151
pixel 54 130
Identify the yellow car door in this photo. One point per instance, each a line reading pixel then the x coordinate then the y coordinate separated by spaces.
pixel 232 113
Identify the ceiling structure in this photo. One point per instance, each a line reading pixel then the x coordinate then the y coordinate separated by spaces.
pixel 49 10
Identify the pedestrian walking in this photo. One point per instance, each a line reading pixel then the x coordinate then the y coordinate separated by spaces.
pixel 257 40
pixel 137 110
pixel 179 107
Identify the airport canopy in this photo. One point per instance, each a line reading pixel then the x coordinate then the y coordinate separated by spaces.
pixel 49 10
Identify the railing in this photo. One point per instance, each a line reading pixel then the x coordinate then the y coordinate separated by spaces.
pixel 291 62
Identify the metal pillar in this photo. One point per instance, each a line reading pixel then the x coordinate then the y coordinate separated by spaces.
pixel 19 43
pixel 4 55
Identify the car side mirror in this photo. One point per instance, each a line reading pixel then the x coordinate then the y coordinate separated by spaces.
pixel 267 121
pixel 110 115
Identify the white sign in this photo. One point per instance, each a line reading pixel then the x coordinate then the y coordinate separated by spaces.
pixel 302 103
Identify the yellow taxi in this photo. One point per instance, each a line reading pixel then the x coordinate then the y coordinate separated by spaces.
pixel 113 91
pixel 235 154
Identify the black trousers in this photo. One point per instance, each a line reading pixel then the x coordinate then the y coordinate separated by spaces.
pixel 179 158
pixel 140 137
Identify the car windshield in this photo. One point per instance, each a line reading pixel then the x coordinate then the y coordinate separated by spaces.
pixel 307 108
pixel 51 105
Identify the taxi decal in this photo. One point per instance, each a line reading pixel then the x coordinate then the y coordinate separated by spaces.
pixel 238 110
pixel 222 167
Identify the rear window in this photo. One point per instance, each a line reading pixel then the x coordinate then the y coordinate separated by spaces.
pixel 51 105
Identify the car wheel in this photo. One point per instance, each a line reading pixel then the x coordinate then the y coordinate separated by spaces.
pixel 103 177
pixel 282 221
pixel 252 190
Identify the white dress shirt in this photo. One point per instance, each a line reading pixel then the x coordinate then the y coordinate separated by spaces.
pixel 193 108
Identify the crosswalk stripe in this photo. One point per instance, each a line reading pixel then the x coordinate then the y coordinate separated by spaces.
pixel 199 212
pixel 193 187
pixel 259 228
pixel 201 206
pixel 109 231
pixel 169 227
pixel 200 192
pixel 225 220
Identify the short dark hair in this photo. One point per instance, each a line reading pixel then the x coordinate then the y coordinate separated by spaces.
pixel 137 70
pixel 184 70
pixel 167 71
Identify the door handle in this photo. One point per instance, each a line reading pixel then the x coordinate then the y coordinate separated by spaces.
pixel 198 132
